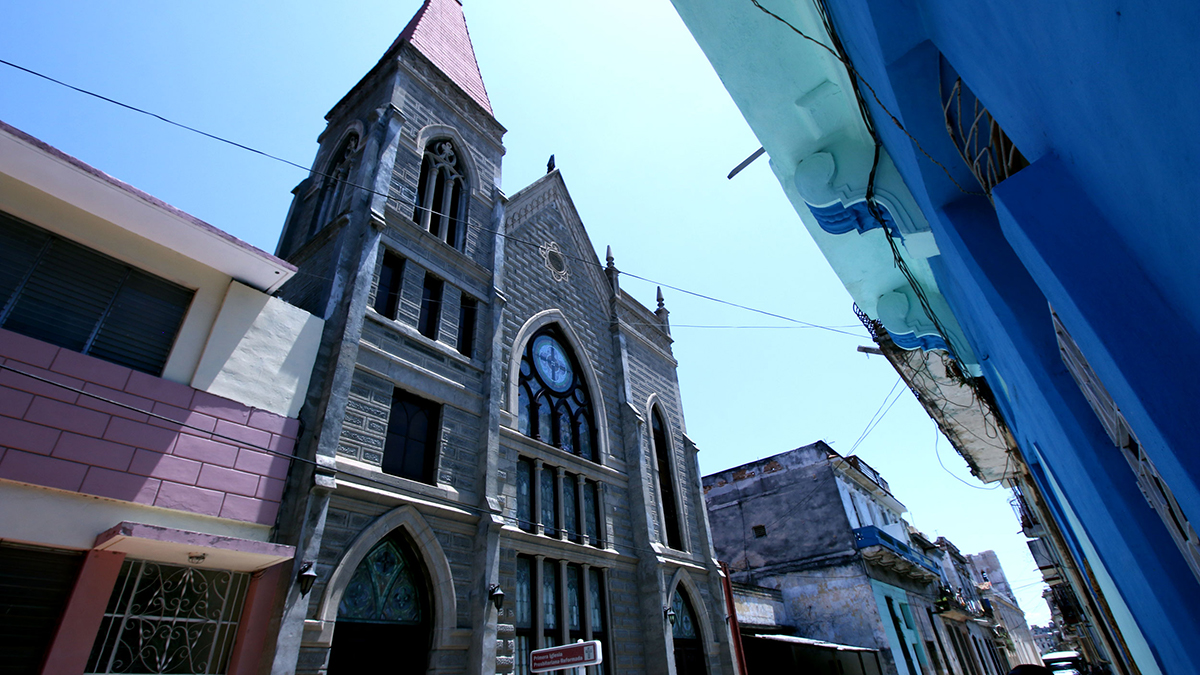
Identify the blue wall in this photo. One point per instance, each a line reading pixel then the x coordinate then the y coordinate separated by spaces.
pixel 1104 99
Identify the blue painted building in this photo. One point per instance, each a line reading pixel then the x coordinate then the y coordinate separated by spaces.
pixel 1006 189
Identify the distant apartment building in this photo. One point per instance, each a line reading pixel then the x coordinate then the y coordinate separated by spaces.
pixel 1011 629
pixel 821 558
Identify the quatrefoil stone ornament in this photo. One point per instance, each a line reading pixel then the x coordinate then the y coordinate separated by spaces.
pixel 555 261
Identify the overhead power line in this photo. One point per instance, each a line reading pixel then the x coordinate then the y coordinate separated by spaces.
pixel 369 190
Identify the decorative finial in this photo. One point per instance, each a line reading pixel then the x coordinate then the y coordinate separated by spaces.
pixel 608 256
pixel 550 164
pixel 662 313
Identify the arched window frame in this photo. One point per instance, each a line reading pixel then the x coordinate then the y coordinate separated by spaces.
pixel 335 179
pixel 554 417
pixel 399 542
pixel 429 140
pixel 443 602
pixel 705 629
pixel 585 371
pixel 670 500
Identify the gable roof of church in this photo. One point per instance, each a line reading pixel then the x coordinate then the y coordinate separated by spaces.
pixel 439 32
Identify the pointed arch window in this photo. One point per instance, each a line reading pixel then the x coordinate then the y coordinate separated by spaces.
pixel 386 602
pixel 384 588
pixel 685 633
pixel 442 192
pixel 335 185
pixel 666 482
pixel 553 402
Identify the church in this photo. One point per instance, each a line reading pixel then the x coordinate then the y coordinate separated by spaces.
pixel 498 453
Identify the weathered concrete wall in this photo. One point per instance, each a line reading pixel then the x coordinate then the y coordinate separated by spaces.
pixel 794 497
pixel 759 606
pixel 260 352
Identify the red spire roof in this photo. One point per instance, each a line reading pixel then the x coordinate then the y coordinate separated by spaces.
pixel 439 32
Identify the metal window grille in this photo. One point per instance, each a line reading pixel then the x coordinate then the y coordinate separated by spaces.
pixel 169 619
pixel 983 145
pixel 1152 484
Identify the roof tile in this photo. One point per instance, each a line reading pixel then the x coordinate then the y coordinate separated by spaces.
pixel 439 32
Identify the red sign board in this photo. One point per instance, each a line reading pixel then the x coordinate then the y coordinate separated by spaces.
pixel 566 656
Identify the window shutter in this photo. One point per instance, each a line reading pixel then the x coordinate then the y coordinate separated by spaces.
pixel 35 585
pixel 66 296
pixel 19 250
pixel 57 291
pixel 141 325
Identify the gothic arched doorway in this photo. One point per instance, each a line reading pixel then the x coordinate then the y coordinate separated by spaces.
pixel 385 613
pixel 685 633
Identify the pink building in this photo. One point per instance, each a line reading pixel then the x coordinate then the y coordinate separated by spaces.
pixel 149 393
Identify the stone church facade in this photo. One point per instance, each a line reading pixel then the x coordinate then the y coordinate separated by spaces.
pixel 501 463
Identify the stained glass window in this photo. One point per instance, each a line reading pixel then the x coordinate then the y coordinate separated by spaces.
pixel 523 421
pixel 685 621
pixel 584 433
pixel 591 513
pixel 566 431
pixel 549 503
pixel 570 507
pixel 545 420
pixel 575 604
pixel 550 595
pixel 525 494
pixel 596 600
pixel 559 407
pixel 384 589
pixel 596 594
pixel 574 616
pixel 524 593
pixel 523 619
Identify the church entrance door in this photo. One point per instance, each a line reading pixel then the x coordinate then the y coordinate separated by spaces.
pixel 384 618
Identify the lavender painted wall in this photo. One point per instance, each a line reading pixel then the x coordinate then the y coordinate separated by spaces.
pixel 57 437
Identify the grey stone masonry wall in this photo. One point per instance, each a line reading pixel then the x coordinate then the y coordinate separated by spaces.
pixel 541 214
pixel 422 94
pixel 309 288
pixel 465 532
pixel 652 374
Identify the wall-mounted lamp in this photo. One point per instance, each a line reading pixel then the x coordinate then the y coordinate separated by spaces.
pixel 307 577
pixel 496 595
pixel 669 614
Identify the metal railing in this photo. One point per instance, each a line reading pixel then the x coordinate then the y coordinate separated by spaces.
pixel 983 145
pixel 873 536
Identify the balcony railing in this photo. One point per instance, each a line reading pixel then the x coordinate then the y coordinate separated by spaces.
pixel 1066 603
pixel 895 553
pixel 1031 525
pixel 954 605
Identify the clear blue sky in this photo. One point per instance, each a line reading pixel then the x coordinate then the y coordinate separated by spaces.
pixel 644 135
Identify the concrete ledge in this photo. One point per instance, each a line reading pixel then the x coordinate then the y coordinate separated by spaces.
pixel 168 545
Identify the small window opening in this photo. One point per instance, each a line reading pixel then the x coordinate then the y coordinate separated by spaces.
pixel 387 293
pixel 431 307
pixel 466 325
